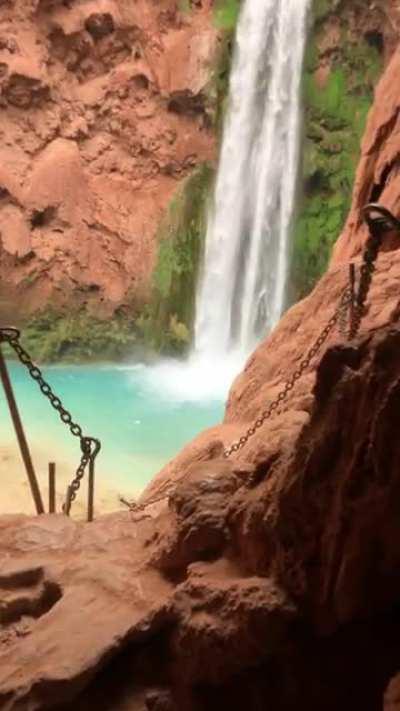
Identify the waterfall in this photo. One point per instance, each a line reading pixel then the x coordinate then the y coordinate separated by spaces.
pixel 242 288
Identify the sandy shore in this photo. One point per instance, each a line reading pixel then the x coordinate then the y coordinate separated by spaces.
pixel 15 495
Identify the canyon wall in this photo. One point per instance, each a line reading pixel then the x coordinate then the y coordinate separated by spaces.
pixel 109 126
pixel 106 111
pixel 268 580
pixel 350 44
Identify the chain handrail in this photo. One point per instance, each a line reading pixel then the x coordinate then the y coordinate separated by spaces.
pixel 379 220
pixel 289 385
pixel 90 446
pixel 351 304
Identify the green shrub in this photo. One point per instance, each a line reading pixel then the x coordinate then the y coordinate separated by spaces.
pixel 168 322
pixel 334 122
pixel 226 13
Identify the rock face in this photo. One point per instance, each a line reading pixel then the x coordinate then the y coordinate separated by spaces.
pixel 268 580
pixel 258 581
pixel 263 580
pixel 103 112
pixel 350 44
pixel 84 596
pixel 377 174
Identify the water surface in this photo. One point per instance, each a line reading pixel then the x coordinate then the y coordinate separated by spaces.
pixel 143 415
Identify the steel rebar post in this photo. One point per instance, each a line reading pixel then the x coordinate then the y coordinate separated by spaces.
pixel 52 487
pixel 19 431
pixel 90 513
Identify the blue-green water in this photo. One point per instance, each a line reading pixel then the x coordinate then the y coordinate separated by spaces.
pixel 143 415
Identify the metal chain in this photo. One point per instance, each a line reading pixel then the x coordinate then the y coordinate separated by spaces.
pixel 367 270
pixel 348 313
pixel 289 385
pixel 350 305
pixel 90 446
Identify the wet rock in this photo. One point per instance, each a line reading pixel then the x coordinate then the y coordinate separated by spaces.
pixel 184 102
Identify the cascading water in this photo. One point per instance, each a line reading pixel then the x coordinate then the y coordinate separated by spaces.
pixel 242 290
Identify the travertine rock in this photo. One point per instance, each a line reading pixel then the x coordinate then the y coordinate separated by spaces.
pixel 377 178
pixel 91 122
pixel 261 580
pixel 266 581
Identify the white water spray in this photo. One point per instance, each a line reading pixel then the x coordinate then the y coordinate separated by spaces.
pixel 242 291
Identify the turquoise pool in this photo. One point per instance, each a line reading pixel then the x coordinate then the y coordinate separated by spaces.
pixel 142 414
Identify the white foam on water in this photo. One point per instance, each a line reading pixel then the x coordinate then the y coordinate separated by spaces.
pixel 195 380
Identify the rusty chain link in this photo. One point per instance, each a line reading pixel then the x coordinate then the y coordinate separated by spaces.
pixel 289 385
pixel 90 446
pixel 351 306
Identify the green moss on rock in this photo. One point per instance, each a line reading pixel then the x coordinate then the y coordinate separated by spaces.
pixel 226 13
pixel 167 324
pixel 52 336
pixel 321 9
pixel 336 107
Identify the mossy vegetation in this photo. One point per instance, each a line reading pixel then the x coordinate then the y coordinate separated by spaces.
pixel 226 13
pixel 217 89
pixel 53 336
pixel 167 323
pixel 337 96
pixel 322 8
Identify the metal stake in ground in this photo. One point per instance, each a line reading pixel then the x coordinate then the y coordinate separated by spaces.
pixel 52 487
pixel 19 431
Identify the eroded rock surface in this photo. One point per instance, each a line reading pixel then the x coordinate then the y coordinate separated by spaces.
pixel 103 112
pixel 75 597
pixel 266 581
pixel 260 580
pixel 377 178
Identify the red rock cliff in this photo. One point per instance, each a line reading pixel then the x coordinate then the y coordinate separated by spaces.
pixel 102 112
